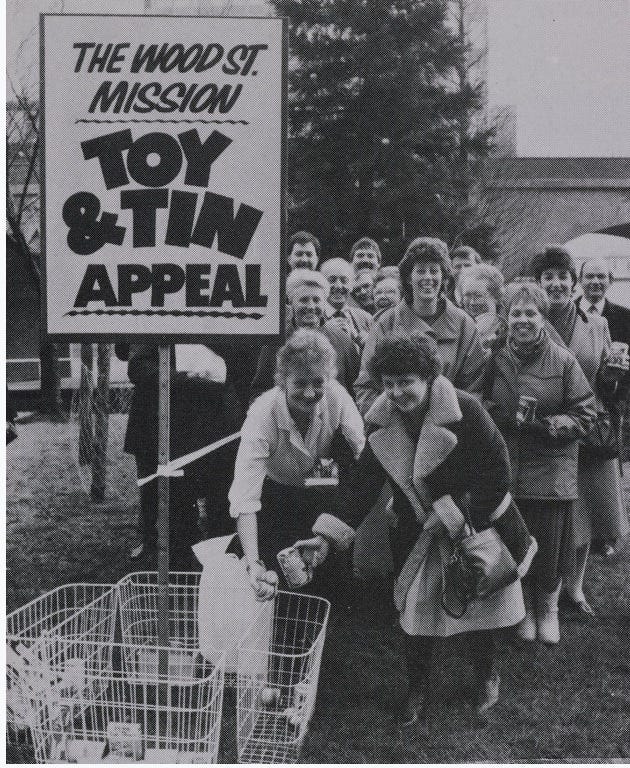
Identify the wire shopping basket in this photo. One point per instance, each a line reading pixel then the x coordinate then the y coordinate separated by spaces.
pixel 228 612
pixel 75 610
pixel 118 704
pixel 278 672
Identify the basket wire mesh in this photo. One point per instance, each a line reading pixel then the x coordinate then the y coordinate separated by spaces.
pixel 111 704
pixel 278 672
pixel 75 610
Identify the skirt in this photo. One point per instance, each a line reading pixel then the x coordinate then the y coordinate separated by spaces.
pixel 600 511
pixel 286 515
pixel 551 524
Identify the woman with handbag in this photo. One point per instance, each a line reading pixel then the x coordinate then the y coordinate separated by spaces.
pixel 600 511
pixel 442 454
pixel 543 404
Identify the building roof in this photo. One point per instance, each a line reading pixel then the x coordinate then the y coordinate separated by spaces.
pixel 559 173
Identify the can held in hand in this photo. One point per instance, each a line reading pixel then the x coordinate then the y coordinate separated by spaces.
pixel 526 409
pixel 618 355
pixel 295 570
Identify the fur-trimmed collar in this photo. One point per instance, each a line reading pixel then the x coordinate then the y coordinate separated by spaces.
pixel 407 464
pixel 443 406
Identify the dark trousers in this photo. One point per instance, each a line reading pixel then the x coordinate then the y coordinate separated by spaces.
pixel 183 531
pixel 418 650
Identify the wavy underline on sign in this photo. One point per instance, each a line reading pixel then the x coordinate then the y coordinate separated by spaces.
pixel 165 313
pixel 157 120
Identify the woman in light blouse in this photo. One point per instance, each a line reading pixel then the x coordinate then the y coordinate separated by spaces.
pixel 307 416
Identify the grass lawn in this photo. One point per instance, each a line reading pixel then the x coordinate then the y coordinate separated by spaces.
pixel 571 702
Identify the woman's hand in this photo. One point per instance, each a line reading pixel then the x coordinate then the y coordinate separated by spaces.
pixel 263 582
pixel 314 551
pixel 560 426
pixel 433 522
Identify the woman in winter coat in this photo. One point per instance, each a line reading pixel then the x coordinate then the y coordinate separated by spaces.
pixel 600 511
pixel 440 451
pixel 425 271
pixel 543 445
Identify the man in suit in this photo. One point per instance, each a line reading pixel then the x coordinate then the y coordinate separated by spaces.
pixel 596 279
pixel 354 321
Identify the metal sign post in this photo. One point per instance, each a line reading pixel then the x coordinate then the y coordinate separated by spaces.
pixel 163 481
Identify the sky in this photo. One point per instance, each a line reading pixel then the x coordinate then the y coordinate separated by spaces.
pixel 563 64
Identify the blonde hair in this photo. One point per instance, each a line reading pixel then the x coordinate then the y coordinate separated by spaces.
pixel 305 350
pixel 300 277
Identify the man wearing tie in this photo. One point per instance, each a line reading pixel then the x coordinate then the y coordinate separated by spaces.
pixel 595 279
pixel 356 322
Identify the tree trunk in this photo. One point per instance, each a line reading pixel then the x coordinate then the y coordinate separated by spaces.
pixel 86 407
pixel 101 423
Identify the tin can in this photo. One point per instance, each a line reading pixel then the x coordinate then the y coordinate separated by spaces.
pixel 526 409
pixel 618 354
pixel 293 567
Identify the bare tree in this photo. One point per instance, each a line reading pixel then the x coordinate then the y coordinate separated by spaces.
pixel 22 214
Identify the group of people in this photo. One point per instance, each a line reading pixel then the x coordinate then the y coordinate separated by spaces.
pixel 473 402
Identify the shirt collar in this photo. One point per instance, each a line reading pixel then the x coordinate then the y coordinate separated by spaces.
pixel 586 305
pixel 284 418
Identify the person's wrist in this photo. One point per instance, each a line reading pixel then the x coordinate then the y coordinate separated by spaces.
pixel 257 563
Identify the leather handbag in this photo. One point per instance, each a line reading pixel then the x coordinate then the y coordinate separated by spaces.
pixel 601 442
pixel 480 565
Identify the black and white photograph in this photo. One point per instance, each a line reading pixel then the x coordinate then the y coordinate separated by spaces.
pixel 317 381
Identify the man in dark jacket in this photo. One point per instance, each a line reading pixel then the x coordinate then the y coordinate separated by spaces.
pixel 202 411
pixel 595 279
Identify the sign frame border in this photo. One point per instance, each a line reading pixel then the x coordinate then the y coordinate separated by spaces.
pixel 164 338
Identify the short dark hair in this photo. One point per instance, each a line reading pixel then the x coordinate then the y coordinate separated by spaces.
pixel 553 257
pixel 366 243
pixel 424 249
pixel 400 355
pixel 303 238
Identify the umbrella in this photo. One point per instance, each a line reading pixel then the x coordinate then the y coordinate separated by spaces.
pixel 613 243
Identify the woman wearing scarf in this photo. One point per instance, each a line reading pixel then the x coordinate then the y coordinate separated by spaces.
pixel 441 453
pixel 543 404
pixel 600 511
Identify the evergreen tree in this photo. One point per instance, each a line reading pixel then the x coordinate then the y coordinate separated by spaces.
pixel 375 127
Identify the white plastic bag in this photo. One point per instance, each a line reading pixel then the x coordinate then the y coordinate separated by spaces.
pixel 227 604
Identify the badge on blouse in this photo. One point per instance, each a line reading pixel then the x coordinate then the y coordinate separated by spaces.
pixel 325 472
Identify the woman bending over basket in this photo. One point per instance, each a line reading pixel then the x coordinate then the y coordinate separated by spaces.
pixel 308 416
pixel 440 450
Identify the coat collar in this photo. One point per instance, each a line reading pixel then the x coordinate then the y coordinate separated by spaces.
pixel 408 464
pixel 447 326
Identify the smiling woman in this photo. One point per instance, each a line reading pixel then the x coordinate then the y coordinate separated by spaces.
pixel 306 417
pixel 424 272
pixel 543 404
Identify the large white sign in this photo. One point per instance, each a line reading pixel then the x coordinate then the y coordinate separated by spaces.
pixel 163 175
